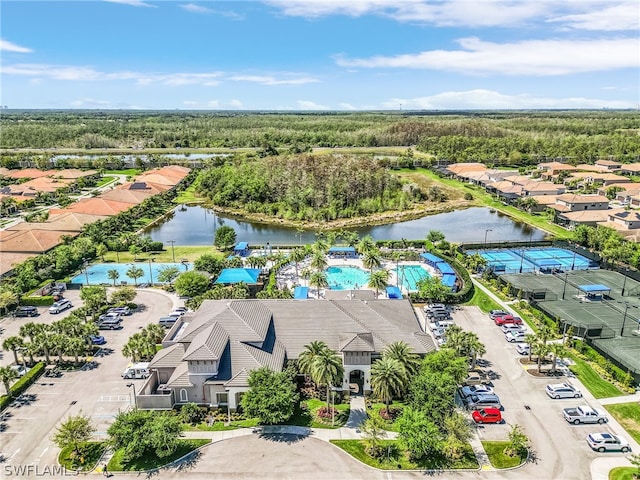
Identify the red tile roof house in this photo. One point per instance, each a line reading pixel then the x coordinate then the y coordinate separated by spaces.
pixel 571 203
pixel 94 206
pixel 610 165
pixel 630 168
pixel 590 218
pixel 30 241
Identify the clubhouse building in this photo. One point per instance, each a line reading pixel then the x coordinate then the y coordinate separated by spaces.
pixel 207 355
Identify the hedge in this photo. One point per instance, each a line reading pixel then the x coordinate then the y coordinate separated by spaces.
pixel 22 384
pixel 465 294
pixel 37 301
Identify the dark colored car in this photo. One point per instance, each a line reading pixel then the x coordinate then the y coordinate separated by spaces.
pixel 98 340
pixel 26 311
pixel 487 415
pixel 120 310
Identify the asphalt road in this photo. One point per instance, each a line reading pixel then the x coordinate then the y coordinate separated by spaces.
pixel 100 392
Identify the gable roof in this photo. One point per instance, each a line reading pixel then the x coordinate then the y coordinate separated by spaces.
pixel 29 241
pixel 208 345
pixel 356 342
pixel 95 206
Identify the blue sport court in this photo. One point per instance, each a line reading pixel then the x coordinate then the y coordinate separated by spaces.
pixel 527 260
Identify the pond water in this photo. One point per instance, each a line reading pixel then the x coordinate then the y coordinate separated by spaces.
pixel 196 225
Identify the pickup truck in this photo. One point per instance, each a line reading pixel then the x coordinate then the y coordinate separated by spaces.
pixel 584 414
pixel 477 377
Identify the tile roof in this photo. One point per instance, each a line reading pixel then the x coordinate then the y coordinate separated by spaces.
pixel 582 216
pixel 168 357
pixel 11 259
pixel 631 167
pixel 356 342
pixel 95 206
pixel 458 168
pixel 545 199
pixel 573 198
pixel 180 377
pixel 29 241
pixel 134 197
pixel 74 173
pixel 209 345
pixel 29 173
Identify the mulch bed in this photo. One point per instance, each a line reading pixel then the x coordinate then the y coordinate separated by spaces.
pixel 544 373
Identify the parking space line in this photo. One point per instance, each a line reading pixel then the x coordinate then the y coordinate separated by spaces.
pixel 22 418
pixel 14 453
pixel 44 451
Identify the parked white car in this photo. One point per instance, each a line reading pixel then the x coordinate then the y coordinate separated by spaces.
pixel 608 442
pixel 511 327
pixel 562 390
pixel 523 348
pixel 513 337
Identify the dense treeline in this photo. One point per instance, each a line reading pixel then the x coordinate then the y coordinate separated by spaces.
pixel 487 136
pixel 306 187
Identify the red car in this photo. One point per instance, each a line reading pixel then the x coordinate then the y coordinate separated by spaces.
pixel 508 319
pixel 487 415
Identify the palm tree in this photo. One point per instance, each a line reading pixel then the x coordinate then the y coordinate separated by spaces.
pixel 387 379
pixel 326 369
pixel 14 344
pixel 403 353
pixel 305 359
pixel 113 274
pixel 75 346
pixel 476 348
pixel 371 259
pixel 557 350
pixel 306 273
pixel 135 273
pixel 530 339
pixel 297 255
pixel 155 332
pixel 541 350
pixel 321 246
pixel 43 342
pixel 7 374
pixel 101 250
pixel 318 280
pixel 59 344
pixel 366 244
pixel 378 280
pixel 31 349
pixel 318 261
pixel 31 329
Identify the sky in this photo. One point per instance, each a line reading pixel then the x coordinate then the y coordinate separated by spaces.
pixel 320 54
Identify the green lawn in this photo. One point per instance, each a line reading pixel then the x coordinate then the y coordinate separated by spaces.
pixel 105 180
pixel 189 195
pixel 598 386
pixel 483 301
pixel 495 452
pixel 190 253
pixel 128 171
pixel 374 411
pixel 306 417
pixel 398 459
pixel 149 461
pixel 90 454
pixel 627 415
pixel 623 473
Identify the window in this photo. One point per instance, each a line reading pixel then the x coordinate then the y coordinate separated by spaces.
pixel 222 398
pixel 184 396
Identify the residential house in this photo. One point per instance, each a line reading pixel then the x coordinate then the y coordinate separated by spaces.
pixel 571 202
pixel 32 241
pixel 609 165
pixel 95 206
pixel 625 219
pixel 588 178
pixel 208 355
pixel 630 169
pixel 589 218
pixel 458 169
pixel 11 259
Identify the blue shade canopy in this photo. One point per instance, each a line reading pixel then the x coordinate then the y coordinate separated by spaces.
pixel 449 280
pixel 445 268
pixel 394 292
pixel 595 288
pixel 300 293
pixel 342 250
pixel 237 275
pixel 432 259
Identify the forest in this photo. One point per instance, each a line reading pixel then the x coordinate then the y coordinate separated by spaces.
pixel 509 137
pixel 307 187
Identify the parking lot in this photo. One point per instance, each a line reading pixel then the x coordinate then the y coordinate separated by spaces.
pixel 99 392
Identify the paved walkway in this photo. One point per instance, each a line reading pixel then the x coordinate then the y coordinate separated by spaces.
pixel 621 399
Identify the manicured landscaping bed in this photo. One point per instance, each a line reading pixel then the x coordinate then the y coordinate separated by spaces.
pixel 497 457
pixel 91 453
pixel 398 459
pixel 149 461
pixel 220 426
pixel 598 387
pixel 396 409
pixel 627 415
pixel 622 473
pixel 482 300
pixel 308 417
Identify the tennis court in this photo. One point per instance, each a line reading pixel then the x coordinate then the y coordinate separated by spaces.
pixel 611 322
pixel 527 260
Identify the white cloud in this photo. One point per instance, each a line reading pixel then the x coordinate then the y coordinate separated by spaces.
pixel 133 3
pixel 529 57
pixel 193 8
pixel 308 105
pixel 583 14
pixel 236 104
pixel 102 104
pixel 6 46
pixel 75 73
pixel 624 16
pixel 346 106
pixel 481 99
pixel 269 80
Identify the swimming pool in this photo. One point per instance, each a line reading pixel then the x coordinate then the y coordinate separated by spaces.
pixel 346 278
pixel 410 275
pixel 97 274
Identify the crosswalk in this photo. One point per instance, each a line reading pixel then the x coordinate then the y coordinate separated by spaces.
pixel 114 398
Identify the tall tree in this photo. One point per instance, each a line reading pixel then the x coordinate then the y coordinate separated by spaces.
pixel 387 378
pixel 378 280
pixel 14 344
pixel 135 273
pixel 327 370
pixel 74 432
pixel 7 375
pixel 271 397
pixel 306 358
pixel 113 274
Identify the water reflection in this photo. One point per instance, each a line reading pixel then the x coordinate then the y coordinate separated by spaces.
pixel 195 225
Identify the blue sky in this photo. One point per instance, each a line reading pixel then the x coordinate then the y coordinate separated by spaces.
pixel 320 55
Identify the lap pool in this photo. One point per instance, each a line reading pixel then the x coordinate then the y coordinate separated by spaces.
pixel 346 278
pixel 410 275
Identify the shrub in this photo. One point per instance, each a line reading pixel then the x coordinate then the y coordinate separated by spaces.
pixel 192 414
pixel 37 301
pixel 324 412
pixel 22 384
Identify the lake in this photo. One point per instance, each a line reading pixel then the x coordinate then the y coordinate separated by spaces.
pixel 196 225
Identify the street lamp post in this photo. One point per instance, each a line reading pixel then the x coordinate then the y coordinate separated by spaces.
pixel 150 273
pixel 485 236
pixel 86 270
pixel 521 259
pixel 173 252
pixel 135 398
pixel 624 318
pixel 564 288
pixel 624 283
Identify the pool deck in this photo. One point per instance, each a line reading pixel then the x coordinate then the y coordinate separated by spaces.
pixel 287 276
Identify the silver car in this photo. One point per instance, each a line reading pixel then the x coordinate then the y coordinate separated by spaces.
pixel 562 390
pixel 608 442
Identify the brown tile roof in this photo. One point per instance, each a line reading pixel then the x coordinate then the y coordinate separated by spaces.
pixel 44 184
pixel 157 178
pixel 626 215
pixel 573 198
pixel 556 166
pixel 66 222
pixel 172 171
pixel 589 216
pixel 591 168
pixel 458 168
pixel 8 260
pixel 17 198
pixel 29 241
pixel 73 173
pixel 126 196
pixel 545 199
pixel 608 163
pixel 29 173
pixel 95 206
pixel 631 167
pixel 544 186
